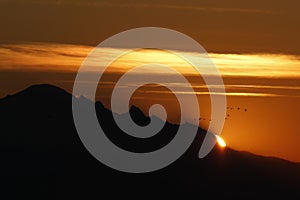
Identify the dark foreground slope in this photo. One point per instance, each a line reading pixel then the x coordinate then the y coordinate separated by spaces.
pixel 42 155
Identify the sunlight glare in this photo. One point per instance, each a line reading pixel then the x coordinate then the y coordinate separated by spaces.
pixel 220 141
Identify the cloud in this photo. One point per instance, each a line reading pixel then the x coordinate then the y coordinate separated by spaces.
pixel 41 57
pixel 243 74
pixel 144 5
pixel 252 65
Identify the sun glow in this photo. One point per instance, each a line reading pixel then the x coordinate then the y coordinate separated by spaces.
pixel 220 141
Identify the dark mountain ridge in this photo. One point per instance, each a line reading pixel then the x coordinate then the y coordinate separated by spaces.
pixel 41 154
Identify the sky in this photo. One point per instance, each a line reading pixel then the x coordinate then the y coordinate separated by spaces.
pixel 254 44
pixel 220 26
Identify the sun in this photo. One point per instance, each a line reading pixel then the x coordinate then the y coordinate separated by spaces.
pixel 220 141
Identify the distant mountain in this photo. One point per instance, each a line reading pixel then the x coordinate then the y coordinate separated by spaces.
pixel 42 156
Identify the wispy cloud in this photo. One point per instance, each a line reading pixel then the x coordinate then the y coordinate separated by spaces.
pixel 143 5
pixel 212 9
pixel 52 54
pixel 41 57
pixel 252 75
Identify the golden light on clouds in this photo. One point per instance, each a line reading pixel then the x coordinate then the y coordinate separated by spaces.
pixel 258 65
pixel 42 57
pixel 65 57
pixel 260 68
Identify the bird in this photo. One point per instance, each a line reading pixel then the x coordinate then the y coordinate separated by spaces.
pixel 238 108
pixel 245 109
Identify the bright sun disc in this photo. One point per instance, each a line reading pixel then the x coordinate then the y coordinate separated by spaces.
pixel 220 141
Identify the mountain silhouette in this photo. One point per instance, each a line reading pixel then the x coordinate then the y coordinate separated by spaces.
pixel 42 156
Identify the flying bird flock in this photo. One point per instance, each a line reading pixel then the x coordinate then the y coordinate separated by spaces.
pixel 228 115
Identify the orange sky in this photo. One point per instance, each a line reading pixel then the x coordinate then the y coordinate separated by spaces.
pixel 255 45
pixel 267 85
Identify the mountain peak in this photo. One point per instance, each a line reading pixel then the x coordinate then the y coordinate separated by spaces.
pixel 136 110
pixel 46 88
pixel 40 91
pixel 138 116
